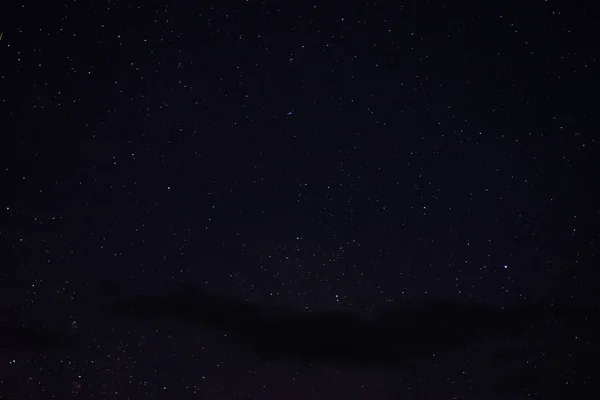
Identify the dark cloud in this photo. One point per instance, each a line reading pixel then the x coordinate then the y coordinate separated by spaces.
pixel 519 349
pixel 388 338
pixel 20 337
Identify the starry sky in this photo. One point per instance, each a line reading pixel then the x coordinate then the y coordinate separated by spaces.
pixel 299 200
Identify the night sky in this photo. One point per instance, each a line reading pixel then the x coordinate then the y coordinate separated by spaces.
pixel 299 200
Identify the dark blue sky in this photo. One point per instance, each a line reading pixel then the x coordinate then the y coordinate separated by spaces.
pixel 328 156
